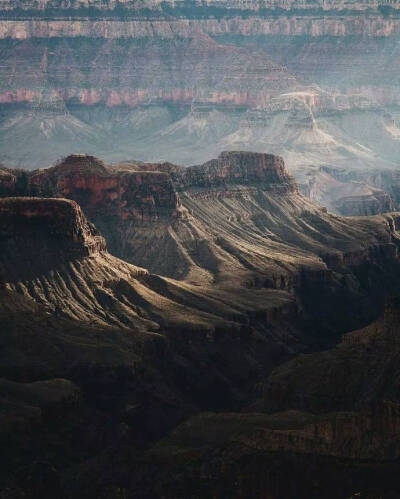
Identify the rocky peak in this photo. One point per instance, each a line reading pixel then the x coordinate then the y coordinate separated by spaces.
pixel 37 233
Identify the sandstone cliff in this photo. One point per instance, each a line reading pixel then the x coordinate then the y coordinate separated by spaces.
pixel 264 171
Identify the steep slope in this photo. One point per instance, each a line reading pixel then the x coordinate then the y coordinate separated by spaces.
pixel 116 353
pixel 79 280
pixel 77 285
pixel 100 359
pixel 237 222
pixel 362 369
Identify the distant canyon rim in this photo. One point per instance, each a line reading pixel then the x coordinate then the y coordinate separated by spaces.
pixel 314 82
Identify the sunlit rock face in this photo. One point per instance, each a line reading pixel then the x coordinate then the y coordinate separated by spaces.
pixel 236 222
pixel 313 82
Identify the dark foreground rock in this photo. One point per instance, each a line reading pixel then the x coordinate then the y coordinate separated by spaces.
pixel 108 372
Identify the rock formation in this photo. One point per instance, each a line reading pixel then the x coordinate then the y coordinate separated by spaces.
pixel 55 229
pixel 100 359
pixel 238 220
pixel 348 198
pixel 312 81
pixel 202 330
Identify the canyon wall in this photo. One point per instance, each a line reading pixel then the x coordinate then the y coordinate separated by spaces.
pixel 110 5
pixel 313 82
pixel 238 221
pixel 31 226
pixel 377 26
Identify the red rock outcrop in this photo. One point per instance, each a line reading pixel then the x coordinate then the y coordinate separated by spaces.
pixel 138 195
pixel 149 191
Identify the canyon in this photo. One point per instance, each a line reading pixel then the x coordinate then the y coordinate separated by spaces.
pixel 199 249
pixel 314 82
pixel 196 374
pixel 235 221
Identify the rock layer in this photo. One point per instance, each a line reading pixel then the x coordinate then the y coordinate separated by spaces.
pixel 313 82
pixel 376 25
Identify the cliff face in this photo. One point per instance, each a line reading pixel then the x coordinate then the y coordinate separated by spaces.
pixel 77 279
pixel 138 196
pixel 56 229
pixel 350 197
pixel 264 171
pixel 103 360
pixel 312 82
pixel 180 70
pixel 341 25
pixel 236 221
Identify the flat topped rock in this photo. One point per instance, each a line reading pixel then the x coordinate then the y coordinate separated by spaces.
pixel 40 233
pixel 242 167
pixel 81 172
pixel 62 216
